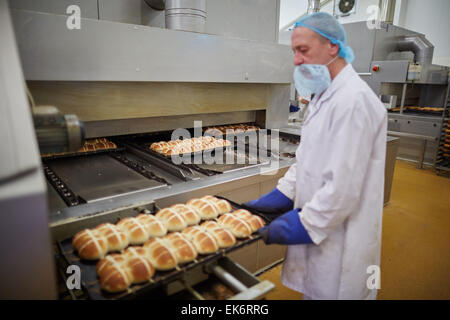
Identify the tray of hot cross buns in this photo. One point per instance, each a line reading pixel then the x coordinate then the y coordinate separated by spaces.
pixel 192 146
pixel 231 129
pixel 90 146
pixel 134 255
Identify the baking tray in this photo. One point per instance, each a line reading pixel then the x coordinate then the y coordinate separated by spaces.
pixel 192 154
pixel 233 137
pixel 99 176
pixel 84 153
pixel 90 282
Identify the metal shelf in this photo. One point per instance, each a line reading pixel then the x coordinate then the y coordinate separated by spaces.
pixel 440 163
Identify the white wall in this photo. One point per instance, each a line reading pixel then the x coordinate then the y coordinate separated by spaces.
pixel 290 10
pixel 432 19
pixel 427 17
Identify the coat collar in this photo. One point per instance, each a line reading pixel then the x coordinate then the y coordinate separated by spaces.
pixel 338 82
pixel 340 79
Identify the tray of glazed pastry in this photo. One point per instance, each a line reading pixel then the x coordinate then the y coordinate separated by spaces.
pixel 232 129
pixel 190 146
pixel 138 254
pixel 91 146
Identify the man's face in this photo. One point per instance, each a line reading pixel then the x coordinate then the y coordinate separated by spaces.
pixel 309 48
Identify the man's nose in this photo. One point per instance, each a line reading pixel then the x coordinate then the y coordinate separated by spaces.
pixel 298 60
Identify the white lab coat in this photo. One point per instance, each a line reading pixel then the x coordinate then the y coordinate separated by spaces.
pixel 338 181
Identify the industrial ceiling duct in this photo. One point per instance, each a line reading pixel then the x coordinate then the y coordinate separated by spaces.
pixel 186 15
pixel 313 6
pixel 387 9
pixel 421 47
pixel 156 4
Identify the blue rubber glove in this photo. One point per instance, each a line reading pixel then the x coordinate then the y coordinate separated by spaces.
pixel 293 108
pixel 273 202
pixel 286 229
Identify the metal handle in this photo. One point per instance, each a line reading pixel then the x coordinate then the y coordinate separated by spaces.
pixel 231 281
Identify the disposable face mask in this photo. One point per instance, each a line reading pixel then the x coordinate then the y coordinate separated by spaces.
pixel 312 79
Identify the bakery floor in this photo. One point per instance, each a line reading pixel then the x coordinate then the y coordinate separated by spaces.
pixel 415 254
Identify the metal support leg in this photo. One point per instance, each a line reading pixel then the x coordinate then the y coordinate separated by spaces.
pixel 422 154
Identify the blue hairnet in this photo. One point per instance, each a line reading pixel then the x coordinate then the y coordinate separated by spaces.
pixel 327 26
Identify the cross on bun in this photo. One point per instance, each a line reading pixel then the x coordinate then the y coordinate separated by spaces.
pixel 254 221
pixel 161 254
pixel 223 237
pixel 116 238
pixel 188 145
pixel 140 266
pixel 90 244
pixel 209 207
pixel 189 214
pixel 182 247
pixel 203 241
pixel 137 232
pixel 174 221
pixel 238 226
pixel 113 272
pixel 154 226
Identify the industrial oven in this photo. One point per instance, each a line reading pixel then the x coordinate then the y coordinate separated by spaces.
pixel 397 64
pixel 111 89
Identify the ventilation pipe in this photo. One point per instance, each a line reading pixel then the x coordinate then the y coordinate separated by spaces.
pixel 186 15
pixel 387 9
pixel 313 6
pixel 156 4
pixel 421 47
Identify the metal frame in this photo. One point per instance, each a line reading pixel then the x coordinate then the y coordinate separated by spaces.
pixel 445 118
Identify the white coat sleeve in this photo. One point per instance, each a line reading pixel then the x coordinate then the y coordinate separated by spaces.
pixel 287 184
pixel 351 142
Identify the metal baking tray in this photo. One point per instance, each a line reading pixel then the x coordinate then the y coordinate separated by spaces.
pixel 97 176
pixel 90 282
pixel 84 153
pixel 192 154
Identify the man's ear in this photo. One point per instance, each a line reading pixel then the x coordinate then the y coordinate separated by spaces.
pixel 334 49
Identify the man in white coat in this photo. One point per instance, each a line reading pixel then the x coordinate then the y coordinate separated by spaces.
pixel 331 201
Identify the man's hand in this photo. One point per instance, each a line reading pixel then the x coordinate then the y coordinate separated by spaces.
pixel 273 202
pixel 286 229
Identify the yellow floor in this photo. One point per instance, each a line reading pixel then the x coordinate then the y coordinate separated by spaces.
pixel 415 255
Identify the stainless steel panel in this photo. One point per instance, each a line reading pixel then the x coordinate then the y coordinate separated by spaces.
pixel 142 125
pixel 277 113
pixel 100 176
pixel 424 125
pixel 27 269
pixel 125 11
pixel 243 19
pixel 390 71
pixel 88 8
pixel 361 40
pixel 105 51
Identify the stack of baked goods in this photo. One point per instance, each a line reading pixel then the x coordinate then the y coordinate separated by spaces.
pixel 97 144
pixel 175 147
pixel 230 129
pixel 176 235
pixel 89 146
